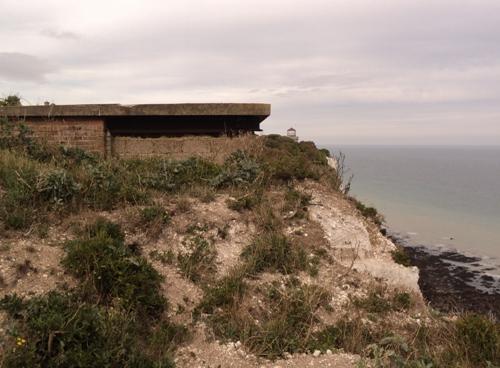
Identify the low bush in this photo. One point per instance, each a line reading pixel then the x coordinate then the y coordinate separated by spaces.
pixel 285 326
pixel 56 186
pixel 244 203
pixel 368 212
pixel 286 160
pixel 400 256
pixel 198 261
pixel 60 330
pixel 379 301
pixel 238 169
pixel 273 252
pixel 225 292
pixel 479 339
pixel 296 203
pixel 113 272
pixel 154 215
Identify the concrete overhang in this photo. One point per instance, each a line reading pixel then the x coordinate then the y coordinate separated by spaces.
pixel 256 110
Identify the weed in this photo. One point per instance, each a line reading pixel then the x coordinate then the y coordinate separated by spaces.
pixel 224 292
pixel 111 269
pixel 285 327
pixel 296 203
pixel 327 338
pixel 402 301
pixel 400 256
pixel 374 302
pixel 56 186
pixel 478 338
pixel 154 214
pixel 246 202
pixel 183 205
pixel 5 247
pixel 59 330
pixel 273 252
pixel 165 257
pixel 198 260
pixel 238 169
pixel 368 212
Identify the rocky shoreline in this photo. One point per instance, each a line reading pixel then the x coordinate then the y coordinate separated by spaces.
pixel 452 282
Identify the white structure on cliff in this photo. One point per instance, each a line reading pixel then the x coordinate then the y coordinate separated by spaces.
pixel 292 134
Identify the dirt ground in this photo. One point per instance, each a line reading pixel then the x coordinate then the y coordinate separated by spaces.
pixel 358 257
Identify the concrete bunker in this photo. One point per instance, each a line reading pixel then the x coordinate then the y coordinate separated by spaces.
pixel 175 130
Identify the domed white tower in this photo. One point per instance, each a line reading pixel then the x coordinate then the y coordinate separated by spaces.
pixel 292 134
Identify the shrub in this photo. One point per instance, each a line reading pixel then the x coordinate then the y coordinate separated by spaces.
pixel 170 176
pixel 238 169
pixel 113 271
pixel 287 160
pixel 479 339
pixel 198 260
pixel 296 203
pixel 400 256
pixel 374 302
pixel 60 330
pixel 56 186
pixel 246 202
pixel 224 292
pixel 402 301
pixel 109 182
pixel 154 215
pixel 273 252
pixel 284 327
pixel 368 212
pixel 326 338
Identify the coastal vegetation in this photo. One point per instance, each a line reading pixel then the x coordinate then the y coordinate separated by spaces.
pixel 132 228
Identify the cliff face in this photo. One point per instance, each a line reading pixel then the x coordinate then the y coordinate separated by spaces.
pixel 260 262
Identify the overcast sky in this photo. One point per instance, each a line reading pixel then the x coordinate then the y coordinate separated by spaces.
pixel 339 71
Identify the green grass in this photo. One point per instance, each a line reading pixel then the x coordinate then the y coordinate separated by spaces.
pixel 378 301
pixel 60 330
pixel 273 252
pixel 285 327
pixel 197 262
pixel 400 256
pixel 224 292
pixel 478 338
pixel 112 271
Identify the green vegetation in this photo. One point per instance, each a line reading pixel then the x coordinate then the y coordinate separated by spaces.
pixel 112 271
pixel 114 317
pixel 116 314
pixel 368 212
pixel 273 252
pixel 285 325
pixel 11 100
pixel 379 301
pixel 198 261
pixel 400 256
pixel 478 338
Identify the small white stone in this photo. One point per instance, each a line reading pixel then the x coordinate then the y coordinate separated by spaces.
pixel 329 352
pixel 237 344
pixel 317 353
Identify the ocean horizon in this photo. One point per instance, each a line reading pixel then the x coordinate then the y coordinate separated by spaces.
pixel 441 197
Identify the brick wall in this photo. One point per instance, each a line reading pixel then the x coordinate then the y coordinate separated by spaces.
pixel 86 134
pixel 216 149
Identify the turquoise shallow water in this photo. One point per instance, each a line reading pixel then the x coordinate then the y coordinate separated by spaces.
pixel 436 196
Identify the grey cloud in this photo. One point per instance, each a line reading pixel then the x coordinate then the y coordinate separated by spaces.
pixel 58 34
pixel 16 66
pixel 327 66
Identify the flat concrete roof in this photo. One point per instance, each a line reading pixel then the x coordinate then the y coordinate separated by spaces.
pixel 188 109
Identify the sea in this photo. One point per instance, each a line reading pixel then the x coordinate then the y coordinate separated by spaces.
pixel 440 197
